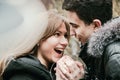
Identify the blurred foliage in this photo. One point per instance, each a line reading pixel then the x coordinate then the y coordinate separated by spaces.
pixel 50 4
pixel 116 8
pixel 53 4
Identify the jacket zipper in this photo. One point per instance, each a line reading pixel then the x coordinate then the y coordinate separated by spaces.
pixel 50 72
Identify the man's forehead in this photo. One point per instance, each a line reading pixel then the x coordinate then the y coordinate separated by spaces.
pixel 72 17
pixel 73 22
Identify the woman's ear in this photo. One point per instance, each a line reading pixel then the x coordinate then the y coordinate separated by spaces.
pixel 97 24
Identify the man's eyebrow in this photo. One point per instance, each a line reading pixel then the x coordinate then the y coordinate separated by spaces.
pixel 73 24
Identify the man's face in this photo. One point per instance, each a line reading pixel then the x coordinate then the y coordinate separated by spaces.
pixel 79 29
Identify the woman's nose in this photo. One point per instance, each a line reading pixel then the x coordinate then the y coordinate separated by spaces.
pixel 64 41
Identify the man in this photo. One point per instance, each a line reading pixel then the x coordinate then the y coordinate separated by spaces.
pixel 86 18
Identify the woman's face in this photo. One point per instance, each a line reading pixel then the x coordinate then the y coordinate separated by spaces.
pixel 51 50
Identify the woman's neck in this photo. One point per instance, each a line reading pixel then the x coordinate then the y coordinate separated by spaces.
pixel 44 61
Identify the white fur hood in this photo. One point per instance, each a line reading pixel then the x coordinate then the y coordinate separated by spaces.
pixel 107 34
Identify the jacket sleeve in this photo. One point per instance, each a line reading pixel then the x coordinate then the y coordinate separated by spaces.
pixel 112 61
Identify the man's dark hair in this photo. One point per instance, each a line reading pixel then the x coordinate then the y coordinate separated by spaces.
pixel 88 10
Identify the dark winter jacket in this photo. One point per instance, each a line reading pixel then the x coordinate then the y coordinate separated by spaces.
pixel 27 68
pixel 103 52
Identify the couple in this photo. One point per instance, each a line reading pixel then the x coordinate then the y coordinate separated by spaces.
pixel 40 41
pixel 100 46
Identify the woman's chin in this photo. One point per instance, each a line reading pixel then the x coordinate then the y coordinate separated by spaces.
pixel 56 59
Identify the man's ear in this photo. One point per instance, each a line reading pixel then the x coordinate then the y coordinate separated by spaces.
pixel 97 23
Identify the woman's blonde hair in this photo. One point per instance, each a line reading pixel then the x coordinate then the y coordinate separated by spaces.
pixel 54 22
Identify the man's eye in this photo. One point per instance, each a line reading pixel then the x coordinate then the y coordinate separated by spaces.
pixel 74 25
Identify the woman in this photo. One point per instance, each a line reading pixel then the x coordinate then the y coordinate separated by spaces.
pixel 38 64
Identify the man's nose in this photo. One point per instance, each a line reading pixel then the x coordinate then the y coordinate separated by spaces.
pixel 72 31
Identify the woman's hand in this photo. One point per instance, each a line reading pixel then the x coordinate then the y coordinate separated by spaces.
pixel 68 69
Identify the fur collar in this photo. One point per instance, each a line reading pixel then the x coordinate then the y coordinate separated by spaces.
pixel 107 34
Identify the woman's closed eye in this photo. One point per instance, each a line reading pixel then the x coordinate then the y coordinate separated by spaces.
pixel 57 34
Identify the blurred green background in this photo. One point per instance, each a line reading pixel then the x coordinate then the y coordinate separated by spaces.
pixel 58 5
